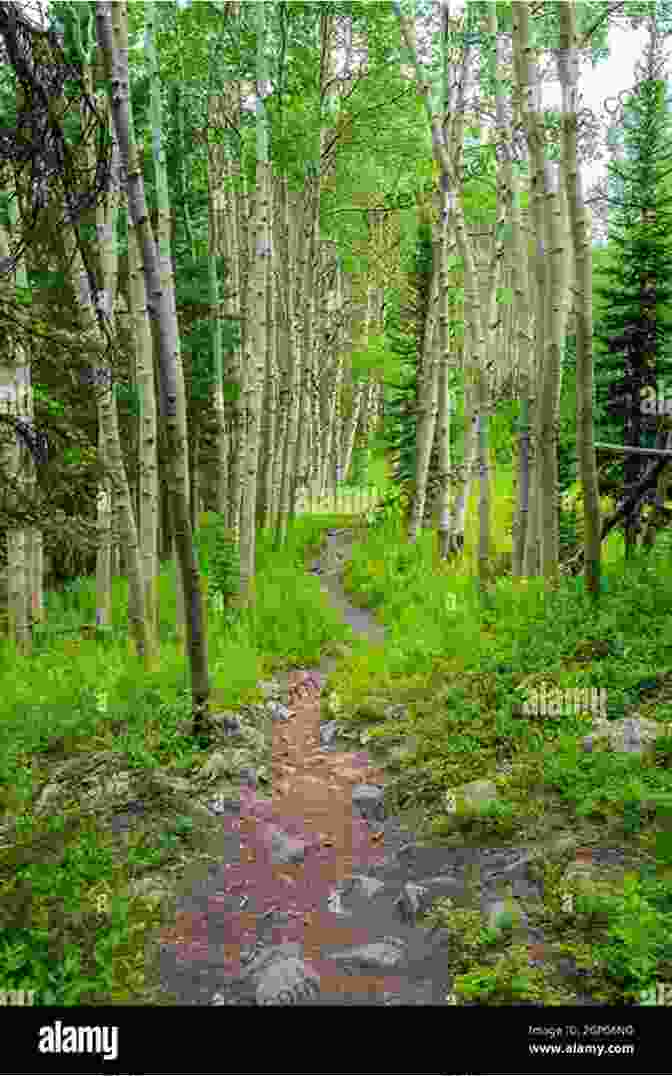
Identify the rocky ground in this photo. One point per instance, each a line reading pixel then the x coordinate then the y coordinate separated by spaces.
pixel 299 881
pixel 322 899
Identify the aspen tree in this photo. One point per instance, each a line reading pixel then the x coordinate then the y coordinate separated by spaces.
pixel 105 231
pixel 552 304
pixel 517 250
pixel 451 510
pixel 568 73
pixel 333 394
pixel 33 535
pixel 218 245
pixel 14 388
pixel 428 402
pixel 529 98
pixel 161 307
pixel 224 216
pixel 148 508
pixel 475 310
pixel 281 350
pixel 241 249
pixel 270 408
pixel 121 499
pixel 257 325
pixel 444 396
pixel 163 242
pixel 293 368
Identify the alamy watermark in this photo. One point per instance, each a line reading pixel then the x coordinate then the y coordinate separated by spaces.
pixel 555 702
pixel 17 997
pixel 660 994
pixel 58 1038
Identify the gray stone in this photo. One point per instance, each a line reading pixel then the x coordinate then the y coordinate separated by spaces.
pixel 396 712
pixel 387 953
pixel 368 800
pixel 248 774
pixel 288 982
pixel 367 885
pixel 227 722
pixel 266 956
pixel 224 805
pixel 277 711
pixel 286 849
pixel 256 711
pixel 328 733
pixel 412 901
pixel 631 735
pixel 217 765
pixel 495 909
pixel 270 689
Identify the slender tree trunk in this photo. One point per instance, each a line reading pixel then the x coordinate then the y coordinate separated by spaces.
pixel 148 508
pixel 163 241
pixel 124 523
pixel 257 332
pixel 195 495
pixel 162 310
pixel 104 551
pixel 428 405
pixel 217 245
pixel 568 71
pixel 270 410
pixel 16 399
pixel 459 506
pixel 553 298
pixel 350 431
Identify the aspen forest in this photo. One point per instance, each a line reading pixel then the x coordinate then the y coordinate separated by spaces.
pixel 335 509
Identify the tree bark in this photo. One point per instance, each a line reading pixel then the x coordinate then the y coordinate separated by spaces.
pixel 162 310
pixel 568 72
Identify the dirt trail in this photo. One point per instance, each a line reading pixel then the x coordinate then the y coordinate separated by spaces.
pixel 313 902
pixel 311 803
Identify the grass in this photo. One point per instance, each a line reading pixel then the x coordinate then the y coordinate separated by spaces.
pixel 70 699
pixel 461 669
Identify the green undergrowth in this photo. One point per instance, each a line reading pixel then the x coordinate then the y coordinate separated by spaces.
pixel 460 662
pixel 464 664
pixel 75 697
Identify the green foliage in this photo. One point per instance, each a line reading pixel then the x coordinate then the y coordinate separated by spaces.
pixel 633 281
pixel 509 979
pixel 391 508
pixel 224 567
pixel 26 963
pixel 129 395
pixel 43 399
pixel 501 429
pixel 639 935
pixel 376 358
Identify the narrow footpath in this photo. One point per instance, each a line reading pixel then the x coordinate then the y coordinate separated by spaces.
pixel 317 894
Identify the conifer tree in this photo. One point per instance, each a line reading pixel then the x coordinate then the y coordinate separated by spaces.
pixel 636 282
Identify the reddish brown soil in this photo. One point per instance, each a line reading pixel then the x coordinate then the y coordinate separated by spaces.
pixel 312 801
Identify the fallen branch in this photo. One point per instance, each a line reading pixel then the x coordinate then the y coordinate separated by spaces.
pixel 649 479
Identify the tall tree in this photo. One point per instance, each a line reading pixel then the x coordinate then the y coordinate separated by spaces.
pixel 256 337
pixel 162 310
pixel 163 241
pixel 568 73
pixel 15 460
pixel 552 297
pixel 635 284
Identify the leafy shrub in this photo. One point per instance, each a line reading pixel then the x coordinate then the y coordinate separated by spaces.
pixel 637 939
pixel 509 979
pixel 224 573
pixel 391 507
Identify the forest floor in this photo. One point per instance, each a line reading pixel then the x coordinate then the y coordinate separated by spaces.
pixel 377 820
pixel 336 894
